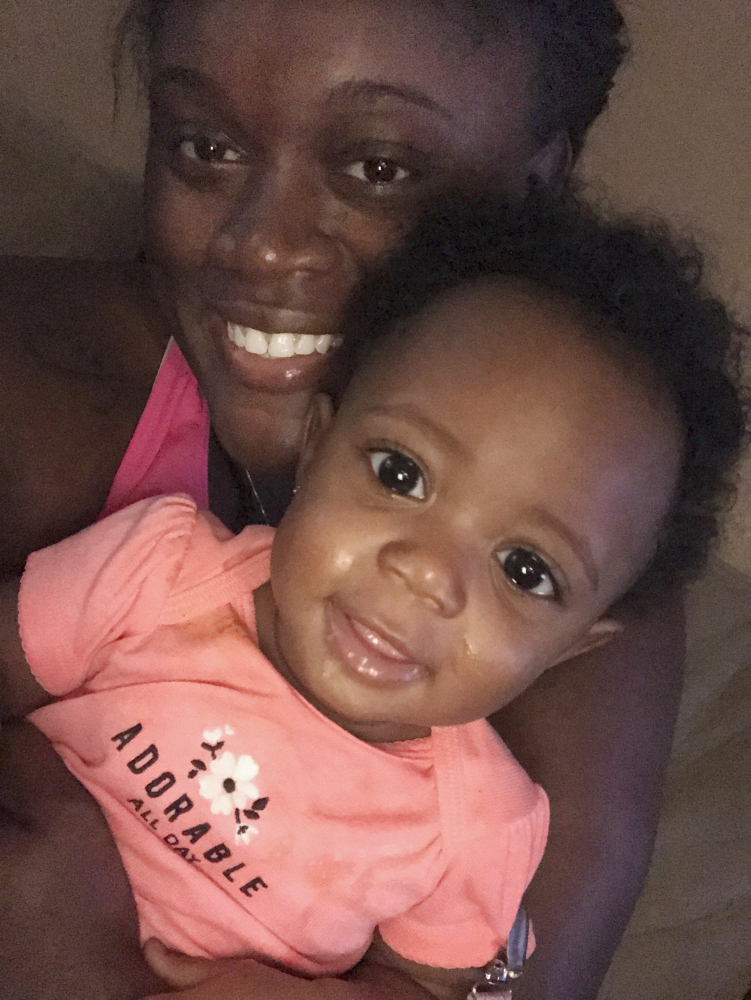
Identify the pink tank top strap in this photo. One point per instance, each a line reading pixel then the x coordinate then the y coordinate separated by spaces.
pixel 169 450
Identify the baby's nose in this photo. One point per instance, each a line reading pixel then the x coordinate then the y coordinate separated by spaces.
pixel 427 573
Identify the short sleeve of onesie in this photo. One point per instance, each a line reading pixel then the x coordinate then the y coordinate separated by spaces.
pixel 494 822
pixel 118 580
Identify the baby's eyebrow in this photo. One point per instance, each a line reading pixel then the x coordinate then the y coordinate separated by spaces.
pixel 576 542
pixel 413 415
pixel 373 90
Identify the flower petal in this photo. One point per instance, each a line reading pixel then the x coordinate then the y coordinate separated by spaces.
pixel 246 768
pixel 222 804
pixel 224 766
pixel 239 798
pixel 210 786
pixel 248 789
pixel 212 736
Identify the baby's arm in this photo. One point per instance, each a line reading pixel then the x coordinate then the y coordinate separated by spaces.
pixel 20 693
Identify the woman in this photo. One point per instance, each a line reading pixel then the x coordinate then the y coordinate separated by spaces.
pixel 292 143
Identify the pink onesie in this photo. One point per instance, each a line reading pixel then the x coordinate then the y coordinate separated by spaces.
pixel 247 821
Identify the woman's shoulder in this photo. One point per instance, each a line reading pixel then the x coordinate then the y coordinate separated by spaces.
pixel 80 345
pixel 82 318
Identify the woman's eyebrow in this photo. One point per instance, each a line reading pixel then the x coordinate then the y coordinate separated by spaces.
pixel 372 90
pixel 201 90
pixel 188 79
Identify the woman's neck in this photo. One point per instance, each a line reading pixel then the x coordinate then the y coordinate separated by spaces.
pixel 239 496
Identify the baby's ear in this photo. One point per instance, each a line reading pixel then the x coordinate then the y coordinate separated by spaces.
pixel 551 165
pixel 603 630
pixel 317 422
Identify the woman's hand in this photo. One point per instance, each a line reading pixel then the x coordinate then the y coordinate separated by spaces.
pixel 217 979
pixel 247 979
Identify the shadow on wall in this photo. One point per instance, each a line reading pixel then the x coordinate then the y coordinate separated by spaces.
pixel 55 202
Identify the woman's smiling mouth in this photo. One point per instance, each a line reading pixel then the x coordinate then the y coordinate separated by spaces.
pixel 278 362
pixel 279 345
pixel 368 653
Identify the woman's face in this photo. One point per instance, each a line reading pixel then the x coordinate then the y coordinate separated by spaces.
pixel 292 143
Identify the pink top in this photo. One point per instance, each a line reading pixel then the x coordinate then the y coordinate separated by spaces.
pixel 169 451
pixel 248 821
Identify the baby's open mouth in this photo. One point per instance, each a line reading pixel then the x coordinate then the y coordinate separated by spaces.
pixel 370 654
pixel 279 345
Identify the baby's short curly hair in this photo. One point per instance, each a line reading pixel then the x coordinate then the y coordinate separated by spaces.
pixel 640 295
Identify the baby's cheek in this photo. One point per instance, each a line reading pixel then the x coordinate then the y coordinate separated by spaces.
pixel 516 658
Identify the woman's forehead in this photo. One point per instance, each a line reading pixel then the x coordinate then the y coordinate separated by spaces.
pixel 358 50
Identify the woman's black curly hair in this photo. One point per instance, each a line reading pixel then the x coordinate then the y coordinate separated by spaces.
pixel 577 44
pixel 638 292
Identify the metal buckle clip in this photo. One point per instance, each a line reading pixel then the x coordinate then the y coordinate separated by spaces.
pixel 500 973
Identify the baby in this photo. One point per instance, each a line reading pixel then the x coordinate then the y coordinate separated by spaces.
pixel 286 730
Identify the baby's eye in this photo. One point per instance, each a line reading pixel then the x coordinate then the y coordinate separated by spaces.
pixel 378 170
pixel 212 149
pixel 527 571
pixel 398 473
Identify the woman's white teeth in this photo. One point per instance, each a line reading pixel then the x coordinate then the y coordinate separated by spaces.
pixel 278 345
pixel 253 341
pixel 306 344
pixel 281 345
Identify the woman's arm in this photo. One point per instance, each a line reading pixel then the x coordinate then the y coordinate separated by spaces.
pixel 80 346
pixel 19 691
pixel 68 925
pixel 596 734
pixel 79 349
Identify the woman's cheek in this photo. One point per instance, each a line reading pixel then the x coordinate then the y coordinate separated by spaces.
pixel 179 222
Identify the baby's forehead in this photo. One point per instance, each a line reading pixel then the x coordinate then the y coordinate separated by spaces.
pixel 482 321
pixel 497 354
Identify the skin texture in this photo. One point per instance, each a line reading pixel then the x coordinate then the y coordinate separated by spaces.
pixel 80 348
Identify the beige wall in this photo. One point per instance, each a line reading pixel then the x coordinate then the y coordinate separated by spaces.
pixel 677 138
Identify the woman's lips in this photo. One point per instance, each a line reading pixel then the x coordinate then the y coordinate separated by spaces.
pixel 369 653
pixel 272 362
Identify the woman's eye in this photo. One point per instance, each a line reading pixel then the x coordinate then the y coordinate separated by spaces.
pixel 378 170
pixel 210 149
pixel 398 473
pixel 527 571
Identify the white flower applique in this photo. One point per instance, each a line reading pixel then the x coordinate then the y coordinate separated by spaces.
pixel 229 783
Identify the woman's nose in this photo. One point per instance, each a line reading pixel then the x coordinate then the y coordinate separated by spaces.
pixel 277 227
pixel 425 573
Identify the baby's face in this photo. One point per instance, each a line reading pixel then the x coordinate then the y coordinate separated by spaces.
pixel 488 488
